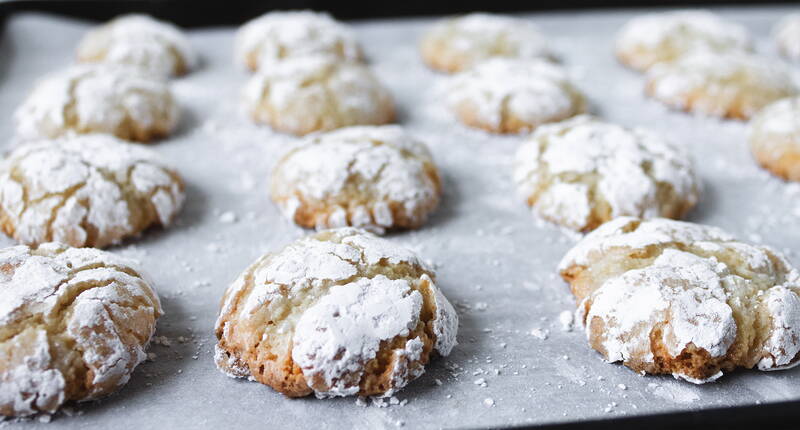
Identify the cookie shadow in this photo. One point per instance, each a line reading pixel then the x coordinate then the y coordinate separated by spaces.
pixel 708 201
pixel 188 122
pixel 452 198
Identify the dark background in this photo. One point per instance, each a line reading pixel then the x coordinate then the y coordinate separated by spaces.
pixel 188 13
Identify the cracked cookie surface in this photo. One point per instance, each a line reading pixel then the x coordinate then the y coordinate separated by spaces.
pixel 338 313
pixel 74 323
pixel 734 85
pixel 504 95
pixel 671 297
pixel 582 172
pixel 307 94
pixel 370 177
pixel 142 41
pixel 98 98
pixel 87 190
pixel 774 137
pixel 668 36
pixel 280 35
pixel 455 44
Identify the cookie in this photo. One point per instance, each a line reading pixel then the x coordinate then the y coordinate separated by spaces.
pixel 774 137
pixel 142 41
pixel 338 313
pixel 276 36
pixel 670 297
pixel 89 190
pixel 456 44
pixel 787 36
pixel 510 96
pixel 75 322
pixel 119 100
pixel 308 94
pixel 582 172
pixel 666 37
pixel 729 85
pixel 373 177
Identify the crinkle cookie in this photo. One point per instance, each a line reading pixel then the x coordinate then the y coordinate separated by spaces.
pixel 88 190
pixel 787 36
pixel 666 37
pixel 455 44
pixel 774 137
pixel 338 313
pixel 730 85
pixel 74 323
pixel 670 297
pixel 139 40
pixel 280 35
pixel 510 96
pixel 369 177
pixel 582 172
pixel 119 100
pixel 308 94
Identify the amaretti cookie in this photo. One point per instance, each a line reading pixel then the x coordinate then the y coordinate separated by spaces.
pixel 729 85
pixel 75 322
pixel 370 177
pixel 120 100
pixel 338 313
pixel 666 37
pixel 774 137
pixel 455 44
pixel 280 35
pixel 308 94
pixel 582 172
pixel 88 190
pixel 670 297
pixel 510 96
pixel 787 36
pixel 139 40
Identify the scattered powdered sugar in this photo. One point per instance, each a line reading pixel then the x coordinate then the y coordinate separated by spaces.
pixel 787 36
pixel 103 292
pixel 583 162
pixel 289 34
pixel 96 98
pixel 50 190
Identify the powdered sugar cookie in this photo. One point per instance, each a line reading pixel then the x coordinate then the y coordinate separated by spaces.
pixel 669 297
pixel 583 172
pixel 139 40
pixel 90 190
pixel 118 100
pixel 730 85
pixel 338 313
pixel 456 44
pixel 666 37
pixel 774 137
pixel 281 35
pixel 509 96
pixel 787 36
pixel 75 322
pixel 307 94
pixel 369 177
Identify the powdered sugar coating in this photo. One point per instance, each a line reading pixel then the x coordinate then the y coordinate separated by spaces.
pixel 279 35
pixel 509 95
pixel 87 190
pixel 142 41
pixel 458 43
pixel 113 99
pixel 774 137
pixel 653 291
pixel 731 85
pixel 583 171
pixel 340 303
pixel 369 177
pixel 74 324
pixel 669 36
pixel 787 36
pixel 307 94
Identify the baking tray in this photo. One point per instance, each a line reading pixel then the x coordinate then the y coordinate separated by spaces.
pixel 494 261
